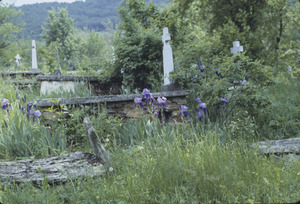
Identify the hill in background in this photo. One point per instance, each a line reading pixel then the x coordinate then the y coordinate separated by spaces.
pixel 91 14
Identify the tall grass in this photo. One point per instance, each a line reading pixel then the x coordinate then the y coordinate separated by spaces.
pixel 159 170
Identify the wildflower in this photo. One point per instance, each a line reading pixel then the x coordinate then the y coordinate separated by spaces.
pixel 201 105
pixel 201 109
pixel 162 102
pixel 147 96
pixel 224 100
pixel 17 95
pixel 184 110
pixel 36 114
pixel 5 104
pixel 24 99
pixel 30 105
pixel 138 101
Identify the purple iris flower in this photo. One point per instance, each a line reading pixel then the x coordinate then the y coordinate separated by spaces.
pixel 36 114
pixel 201 105
pixel 162 102
pixel 5 105
pixel 30 105
pixel 201 109
pixel 147 96
pixel 224 100
pixel 24 99
pixel 138 101
pixel 184 110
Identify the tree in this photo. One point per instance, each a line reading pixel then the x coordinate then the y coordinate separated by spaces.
pixel 9 26
pixel 58 33
pixel 138 45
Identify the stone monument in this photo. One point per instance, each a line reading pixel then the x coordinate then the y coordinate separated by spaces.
pixel 236 48
pixel 34 58
pixel 167 62
pixel 34 68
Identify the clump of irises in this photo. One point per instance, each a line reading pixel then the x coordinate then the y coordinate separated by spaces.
pixel 6 105
pixel 149 101
pixel 30 111
pixel 200 109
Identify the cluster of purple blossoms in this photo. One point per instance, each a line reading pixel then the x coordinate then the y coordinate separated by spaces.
pixel 201 109
pixel 30 111
pixel 147 96
pixel 6 105
pixel 149 99
pixel 184 111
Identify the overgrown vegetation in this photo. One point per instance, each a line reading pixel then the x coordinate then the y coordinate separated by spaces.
pixel 206 157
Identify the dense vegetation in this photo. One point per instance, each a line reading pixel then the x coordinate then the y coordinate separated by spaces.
pixel 205 157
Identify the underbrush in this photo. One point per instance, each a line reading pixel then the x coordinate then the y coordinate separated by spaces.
pixel 184 167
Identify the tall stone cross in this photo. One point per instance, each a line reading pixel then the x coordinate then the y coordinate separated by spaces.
pixel 34 59
pixel 167 56
pixel 236 48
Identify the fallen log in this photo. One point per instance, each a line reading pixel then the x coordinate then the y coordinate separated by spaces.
pixel 56 168
pixel 60 168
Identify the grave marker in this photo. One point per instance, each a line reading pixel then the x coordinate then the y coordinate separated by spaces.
pixel 34 58
pixel 236 48
pixel 167 56
pixel 18 60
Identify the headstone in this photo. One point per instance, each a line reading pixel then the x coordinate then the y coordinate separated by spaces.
pixel 57 86
pixel 18 60
pixel 167 56
pixel 34 58
pixel 57 73
pixel 236 48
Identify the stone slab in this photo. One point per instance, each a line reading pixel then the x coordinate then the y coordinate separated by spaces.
pixel 285 146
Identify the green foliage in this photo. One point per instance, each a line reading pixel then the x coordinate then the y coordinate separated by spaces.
pixel 22 137
pixel 159 170
pixel 58 34
pixel 9 28
pixel 137 47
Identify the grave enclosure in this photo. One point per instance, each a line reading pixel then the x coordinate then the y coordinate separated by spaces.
pixel 106 93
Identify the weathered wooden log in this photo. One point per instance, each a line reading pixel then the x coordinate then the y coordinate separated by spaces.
pixel 55 168
pixel 99 150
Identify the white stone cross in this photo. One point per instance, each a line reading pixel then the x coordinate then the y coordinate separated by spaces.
pixel 34 58
pixel 18 59
pixel 236 47
pixel 167 56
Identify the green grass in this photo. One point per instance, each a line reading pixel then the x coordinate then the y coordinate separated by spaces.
pixel 158 170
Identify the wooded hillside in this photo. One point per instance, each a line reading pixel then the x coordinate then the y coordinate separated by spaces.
pixel 91 14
